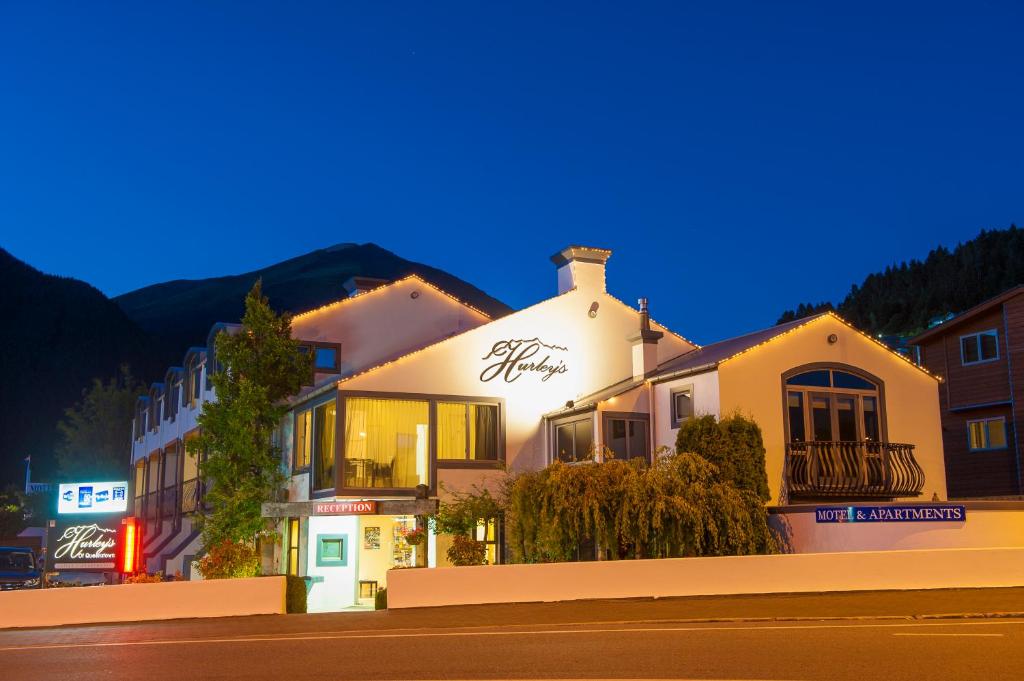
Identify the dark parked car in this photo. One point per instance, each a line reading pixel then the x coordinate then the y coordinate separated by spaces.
pixel 18 568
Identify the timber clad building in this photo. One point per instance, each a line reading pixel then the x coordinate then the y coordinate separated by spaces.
pixel 418 395
pixel 980 356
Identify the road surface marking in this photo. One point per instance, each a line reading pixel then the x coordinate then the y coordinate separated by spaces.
pixel 941 634
pixel 545 632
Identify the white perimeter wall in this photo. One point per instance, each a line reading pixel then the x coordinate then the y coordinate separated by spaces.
pixel 142 602
pixel 793 573
pixel 1002 527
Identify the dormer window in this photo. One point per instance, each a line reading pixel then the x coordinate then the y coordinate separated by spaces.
pixel 326 356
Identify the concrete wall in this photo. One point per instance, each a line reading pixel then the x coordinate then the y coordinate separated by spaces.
pixel 793 573
pixel 988 524
pixel 140 602
pixel 752 383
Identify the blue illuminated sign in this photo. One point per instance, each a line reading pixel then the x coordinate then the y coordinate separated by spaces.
pixel 934 513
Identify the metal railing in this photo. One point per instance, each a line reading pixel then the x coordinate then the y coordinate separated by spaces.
pixel 169 501
pixel 852 470
pixel 152 505
pixel 191 491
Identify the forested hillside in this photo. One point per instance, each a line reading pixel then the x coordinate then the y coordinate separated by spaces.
pixel 901 300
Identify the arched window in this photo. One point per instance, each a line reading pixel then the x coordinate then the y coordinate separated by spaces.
pixel 833 404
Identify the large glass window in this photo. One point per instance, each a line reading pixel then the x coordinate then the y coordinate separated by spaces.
pixel 979 347
pixel 303 439
pixel 574 441
pixel 467 432
pixel 324 418
pixel 387 443
pixel 986 434
pixel 832 405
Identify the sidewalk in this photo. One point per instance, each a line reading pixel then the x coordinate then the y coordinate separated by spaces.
pixel 925 604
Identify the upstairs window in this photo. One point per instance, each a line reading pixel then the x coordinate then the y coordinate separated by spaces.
pixel 986 434
pixel 303 439
pixel 833 405
pixel 979 347
pixel 467 432
pixel 682 405
pixel 326 356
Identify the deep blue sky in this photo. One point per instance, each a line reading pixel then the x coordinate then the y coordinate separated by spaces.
pixel 738 157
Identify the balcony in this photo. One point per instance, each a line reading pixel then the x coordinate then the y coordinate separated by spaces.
pixel 852 470
pixel 191 491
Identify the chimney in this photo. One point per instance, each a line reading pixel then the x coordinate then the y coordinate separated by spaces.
pixel 645 345
pixel 581 267
pixel 357 285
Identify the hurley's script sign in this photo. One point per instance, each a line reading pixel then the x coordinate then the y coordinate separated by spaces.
pixel 514 357
pixel 85 547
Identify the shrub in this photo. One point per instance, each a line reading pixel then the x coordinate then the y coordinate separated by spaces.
pixel 295 594
pixel 143 578
pixel 228 559
pixel 465 551
pixel 680 506
pixel 734 445
pixel 380 600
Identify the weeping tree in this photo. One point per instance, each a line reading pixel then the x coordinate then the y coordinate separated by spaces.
pixel 241 468
pixel 682 505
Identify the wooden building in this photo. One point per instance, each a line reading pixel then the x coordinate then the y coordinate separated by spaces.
pixel 980 356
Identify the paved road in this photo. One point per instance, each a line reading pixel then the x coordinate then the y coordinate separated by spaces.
pixel 632 639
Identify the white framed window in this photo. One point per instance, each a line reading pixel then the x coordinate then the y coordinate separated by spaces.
pixel 986 434
pixel 979 347
pixel 682 405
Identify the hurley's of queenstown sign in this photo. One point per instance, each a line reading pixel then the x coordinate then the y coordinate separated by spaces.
pixel 515 357
pixel 891 514
pixel 85 546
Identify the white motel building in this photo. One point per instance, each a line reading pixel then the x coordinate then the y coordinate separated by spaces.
pixel 417 394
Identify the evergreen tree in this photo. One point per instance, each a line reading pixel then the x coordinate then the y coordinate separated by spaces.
pixel 903 298
pixel 262 367
pixel 96 433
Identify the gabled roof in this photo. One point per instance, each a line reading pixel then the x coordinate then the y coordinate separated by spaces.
pixel 385 287
pixel 967 315
pixel 710 356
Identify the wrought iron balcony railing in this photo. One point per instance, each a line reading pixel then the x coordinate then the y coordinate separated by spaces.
pixel 852 470
pixel 190 493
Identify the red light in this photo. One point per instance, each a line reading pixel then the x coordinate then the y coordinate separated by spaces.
pixel 130 542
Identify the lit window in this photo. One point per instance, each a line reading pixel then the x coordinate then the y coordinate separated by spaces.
pixel 323 445
pixel 486 533
pixel 986 434
pixel 467 431
pixel 303 439
pixel 387 443
pixel 293 546
pixel 979 347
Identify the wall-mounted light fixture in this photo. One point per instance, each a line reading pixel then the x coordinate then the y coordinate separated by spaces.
pixel 414 295
pixel 833 339
pixel 593 309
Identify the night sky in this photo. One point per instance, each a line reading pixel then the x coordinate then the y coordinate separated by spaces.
pixel 739 158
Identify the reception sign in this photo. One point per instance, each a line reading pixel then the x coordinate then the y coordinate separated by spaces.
pixel 346 508
pixel 92 497
pixel 935 513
